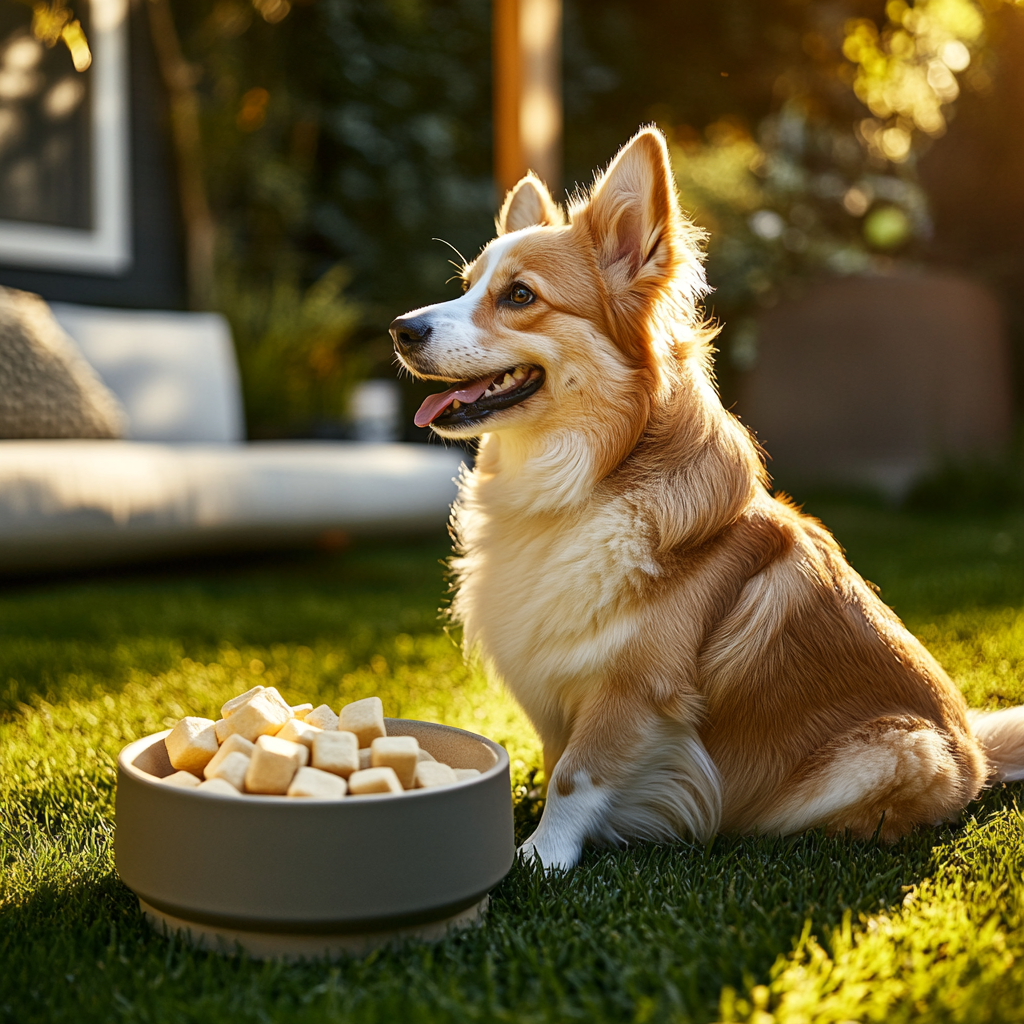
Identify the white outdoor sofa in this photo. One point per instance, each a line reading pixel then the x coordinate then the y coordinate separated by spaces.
pixel 186 481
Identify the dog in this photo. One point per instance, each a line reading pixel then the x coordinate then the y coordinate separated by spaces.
pixel 695 653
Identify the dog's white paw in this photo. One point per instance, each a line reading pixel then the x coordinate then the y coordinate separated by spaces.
pixel 551 855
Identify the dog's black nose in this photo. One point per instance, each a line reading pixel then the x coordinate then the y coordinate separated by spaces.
pixel 408 333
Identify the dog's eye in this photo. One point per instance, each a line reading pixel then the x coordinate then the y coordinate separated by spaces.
pixel 520 295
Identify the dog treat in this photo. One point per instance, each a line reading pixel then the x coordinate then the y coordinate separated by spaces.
pixel 234 743
pixel 262 715
pixel 298 731
pixel 323 718
pixel 232 769
pixel 182 780
pixel 273 765
pixel 430 774
pixel 262 745
pixel 219 785
pixel 240 701
pixel 398 752
pixel 191 744
pixel 336 752
pixel 374 780
pixel 365 718
pixel 272 693
pixel 311 782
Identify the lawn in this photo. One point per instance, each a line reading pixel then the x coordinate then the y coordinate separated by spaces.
pixel 802 929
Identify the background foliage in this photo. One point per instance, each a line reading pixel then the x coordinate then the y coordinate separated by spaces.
pixel 339 132
pixel 810 138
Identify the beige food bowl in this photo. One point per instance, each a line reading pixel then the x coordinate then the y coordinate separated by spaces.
pixel 299 877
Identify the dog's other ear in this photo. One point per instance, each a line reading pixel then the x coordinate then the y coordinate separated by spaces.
pixel 528 205
pixel 641 238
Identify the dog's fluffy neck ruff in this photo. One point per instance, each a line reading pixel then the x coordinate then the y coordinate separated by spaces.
pixel 564 474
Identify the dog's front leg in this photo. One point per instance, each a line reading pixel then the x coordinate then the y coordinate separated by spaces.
pixel 607 746
pixel 575 809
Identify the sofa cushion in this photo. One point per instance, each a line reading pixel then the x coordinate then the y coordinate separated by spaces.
pixel 74 503
pixel 47 389
pixel 174 372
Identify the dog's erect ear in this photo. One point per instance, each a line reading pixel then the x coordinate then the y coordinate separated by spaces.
pixel 645 247
pixel 633 214
pixel 528 205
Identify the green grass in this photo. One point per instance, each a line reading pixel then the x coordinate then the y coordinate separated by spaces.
pixel 802 929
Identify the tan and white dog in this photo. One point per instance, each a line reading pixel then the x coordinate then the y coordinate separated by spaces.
pixel 695 653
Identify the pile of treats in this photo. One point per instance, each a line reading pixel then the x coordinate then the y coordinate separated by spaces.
pixel 263 745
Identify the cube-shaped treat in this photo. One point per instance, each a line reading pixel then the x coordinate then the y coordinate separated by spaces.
pixel 218 785
pixel 301 710
pixel 232 744
pixel 398 752
pixel 365 718
pixel 364 759
pixel 262 716
pixel 374 780
pixel 318 785
pixel 182 780
pixel 298 731
pixel 191 744
pixel 424 755
pixel 323 718
pixel 336 752
pixel 240 701
pixel 273 765
pixel 272 694
pixel 233 769
pixel 466 773
pixel 430 774
pixel 222 729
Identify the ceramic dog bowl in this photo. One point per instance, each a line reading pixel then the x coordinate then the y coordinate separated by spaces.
pixel 300 877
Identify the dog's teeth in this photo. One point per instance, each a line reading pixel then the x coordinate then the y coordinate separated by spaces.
pixel 508 381
pixel 456 404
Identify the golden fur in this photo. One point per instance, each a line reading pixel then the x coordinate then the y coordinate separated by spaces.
pixel 694 653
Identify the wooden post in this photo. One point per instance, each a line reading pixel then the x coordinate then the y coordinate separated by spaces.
pixel 527 91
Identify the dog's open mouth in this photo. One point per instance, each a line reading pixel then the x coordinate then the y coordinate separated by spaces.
pixel 472 400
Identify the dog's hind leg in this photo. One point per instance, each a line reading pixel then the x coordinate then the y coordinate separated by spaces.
pixel 627 772
pixel 887 775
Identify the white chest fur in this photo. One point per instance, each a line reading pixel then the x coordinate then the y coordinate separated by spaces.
pixel 549 599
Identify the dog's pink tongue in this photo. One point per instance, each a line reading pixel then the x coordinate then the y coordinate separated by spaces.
pixel 434 405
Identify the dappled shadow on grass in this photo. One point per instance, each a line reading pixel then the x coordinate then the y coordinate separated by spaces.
pixel 651 933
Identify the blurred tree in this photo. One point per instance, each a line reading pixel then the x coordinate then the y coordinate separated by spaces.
pixel 345 129
pixel 351 132
pixel 797 127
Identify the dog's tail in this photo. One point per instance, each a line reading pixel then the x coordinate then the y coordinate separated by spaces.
pixel 1001 734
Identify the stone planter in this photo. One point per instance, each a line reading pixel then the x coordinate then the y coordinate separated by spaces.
pixel 875 380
